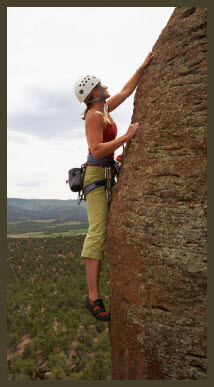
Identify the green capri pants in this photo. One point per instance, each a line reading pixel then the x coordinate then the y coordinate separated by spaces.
pixel 98 209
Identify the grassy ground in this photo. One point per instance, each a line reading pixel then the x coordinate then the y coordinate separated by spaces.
pixel 45 228
pixel 41 234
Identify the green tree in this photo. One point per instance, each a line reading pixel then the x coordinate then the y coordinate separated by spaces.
pixel 12 340
pixel 99 367
pixel 58 374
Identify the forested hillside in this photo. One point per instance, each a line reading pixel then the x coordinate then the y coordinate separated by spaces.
pixel 25 209
pixel 40 217
pixel 50 333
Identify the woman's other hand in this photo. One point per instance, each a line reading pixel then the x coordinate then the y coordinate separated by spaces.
pixel 119 157
pixel 131 131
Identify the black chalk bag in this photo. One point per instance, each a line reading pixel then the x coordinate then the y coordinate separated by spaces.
pixel 75 179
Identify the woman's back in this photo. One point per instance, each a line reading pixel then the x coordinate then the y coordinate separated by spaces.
pixel 109 133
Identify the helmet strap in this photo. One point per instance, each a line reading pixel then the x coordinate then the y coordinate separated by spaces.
pixel 97 99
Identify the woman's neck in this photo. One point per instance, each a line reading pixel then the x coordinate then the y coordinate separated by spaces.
pixel 99 105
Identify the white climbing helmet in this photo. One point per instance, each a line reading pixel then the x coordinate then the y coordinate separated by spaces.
pixel 84 85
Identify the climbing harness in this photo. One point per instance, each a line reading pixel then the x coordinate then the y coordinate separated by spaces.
pixel 110 179
pixel 76 177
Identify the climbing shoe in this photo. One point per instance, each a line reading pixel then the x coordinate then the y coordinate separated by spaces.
pixel 97 309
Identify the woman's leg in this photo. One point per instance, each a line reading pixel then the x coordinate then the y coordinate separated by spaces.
pixel 94 244
pixel 93 272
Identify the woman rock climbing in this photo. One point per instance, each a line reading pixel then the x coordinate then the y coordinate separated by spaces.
pixel 101 132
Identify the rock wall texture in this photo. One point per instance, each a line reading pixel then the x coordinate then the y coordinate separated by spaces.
pixel 156 241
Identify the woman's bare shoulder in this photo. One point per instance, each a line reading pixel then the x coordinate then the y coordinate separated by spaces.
pixel 94 117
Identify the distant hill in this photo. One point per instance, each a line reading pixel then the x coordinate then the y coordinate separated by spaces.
pixel 43 209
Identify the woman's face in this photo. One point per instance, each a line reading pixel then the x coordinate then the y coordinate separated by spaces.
pixel 105 90
pixel 97 93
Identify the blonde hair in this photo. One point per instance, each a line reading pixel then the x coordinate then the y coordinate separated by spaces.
pixel 86 111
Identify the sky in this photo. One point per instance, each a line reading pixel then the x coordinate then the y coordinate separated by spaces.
pixel 48 48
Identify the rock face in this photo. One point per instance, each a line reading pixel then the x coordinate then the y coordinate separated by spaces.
pixel 156 242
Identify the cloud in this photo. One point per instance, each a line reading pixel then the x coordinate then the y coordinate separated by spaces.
pixel 34 182
pixel 18 138
pixel 39 168
pixel 53 114
pixel 48 99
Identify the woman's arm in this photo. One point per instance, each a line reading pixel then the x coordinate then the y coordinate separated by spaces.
pixel 127 90
pixel 95 124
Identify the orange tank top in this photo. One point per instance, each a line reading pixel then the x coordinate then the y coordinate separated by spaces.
pixel 109 134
